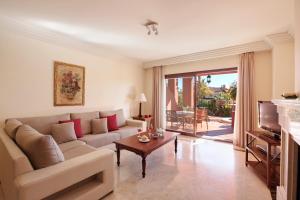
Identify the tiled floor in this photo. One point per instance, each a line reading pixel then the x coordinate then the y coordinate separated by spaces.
pixel 202 169
pixel 218 129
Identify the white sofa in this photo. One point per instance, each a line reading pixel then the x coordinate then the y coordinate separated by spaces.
pixel 86 173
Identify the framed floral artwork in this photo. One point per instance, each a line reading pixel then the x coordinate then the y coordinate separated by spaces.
pixel 68 84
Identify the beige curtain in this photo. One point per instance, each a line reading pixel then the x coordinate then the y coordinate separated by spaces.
pixel 157 97
pixel 245 100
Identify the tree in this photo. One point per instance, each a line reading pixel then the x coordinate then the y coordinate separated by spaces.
pixel 223 88
pixel 203 90
pixel 233 90
pixel 224 95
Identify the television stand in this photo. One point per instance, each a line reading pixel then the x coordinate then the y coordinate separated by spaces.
pixel 271 135
pixel 266 166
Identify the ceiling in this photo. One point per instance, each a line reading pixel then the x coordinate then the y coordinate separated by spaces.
pixel 185 26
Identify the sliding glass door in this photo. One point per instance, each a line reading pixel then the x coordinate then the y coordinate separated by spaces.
pixel 201 103
pixel 180 104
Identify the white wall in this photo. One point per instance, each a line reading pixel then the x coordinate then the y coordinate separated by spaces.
pixel 297 45
pixel 148 88
pixel 262 74
pixel 262 79
pixel 217 63
pixel 26 78
pixel 283 68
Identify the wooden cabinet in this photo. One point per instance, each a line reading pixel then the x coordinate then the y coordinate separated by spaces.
pixel 267 162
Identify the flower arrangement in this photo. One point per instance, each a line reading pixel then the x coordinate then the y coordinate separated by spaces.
pixel 70 84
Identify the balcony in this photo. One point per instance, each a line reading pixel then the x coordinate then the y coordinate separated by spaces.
pixel 206 126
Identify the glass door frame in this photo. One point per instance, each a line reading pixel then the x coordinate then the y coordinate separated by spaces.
pixel 197 78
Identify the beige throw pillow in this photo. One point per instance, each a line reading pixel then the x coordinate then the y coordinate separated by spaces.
pixel 99 126
pixel 41 150
pixel 63 132
pixel 11 127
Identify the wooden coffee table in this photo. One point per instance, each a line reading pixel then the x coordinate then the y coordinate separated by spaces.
pixel 144 149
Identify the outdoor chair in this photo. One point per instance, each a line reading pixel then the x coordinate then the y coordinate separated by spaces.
pixel 171 116
pixel 202 115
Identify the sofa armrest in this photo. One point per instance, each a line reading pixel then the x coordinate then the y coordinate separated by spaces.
pixel 138 123
pixel 44 182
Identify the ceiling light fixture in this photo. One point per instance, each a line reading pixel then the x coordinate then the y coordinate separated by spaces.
pixel 151 26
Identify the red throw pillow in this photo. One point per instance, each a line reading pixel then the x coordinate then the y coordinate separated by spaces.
pixel 77 126
pixel 112 124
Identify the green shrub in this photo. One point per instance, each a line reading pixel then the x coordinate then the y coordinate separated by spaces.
pixel 221 108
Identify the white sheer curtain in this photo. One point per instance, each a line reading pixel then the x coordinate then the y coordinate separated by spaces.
pixel 244 119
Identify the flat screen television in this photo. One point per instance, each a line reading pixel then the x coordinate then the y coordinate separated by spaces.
pixel 268 117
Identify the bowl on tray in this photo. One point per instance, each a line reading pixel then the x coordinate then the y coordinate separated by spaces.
pixel 154 135
pixel 144 139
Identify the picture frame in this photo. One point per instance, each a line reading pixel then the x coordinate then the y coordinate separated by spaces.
pixel 69 84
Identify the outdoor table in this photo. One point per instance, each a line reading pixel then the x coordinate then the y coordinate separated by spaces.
pixel 183 114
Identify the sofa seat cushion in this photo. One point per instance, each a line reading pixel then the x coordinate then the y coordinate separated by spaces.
pixel 98 140
pixel 70 145
pixel 85 120
pixel 111 146
pixel 127 131
pixel 78 151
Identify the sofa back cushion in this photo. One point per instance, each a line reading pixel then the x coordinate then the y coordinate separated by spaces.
pixel 44 124
pixel 11 127
pixel 64 132
pixel 120 116
pixel 86 120
pixel 41 150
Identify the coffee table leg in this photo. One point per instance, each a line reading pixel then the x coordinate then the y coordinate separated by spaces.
pixel 118 155
pixel 144 166
pixel 176 144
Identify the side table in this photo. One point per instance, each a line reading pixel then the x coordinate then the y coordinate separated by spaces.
pixel 149 120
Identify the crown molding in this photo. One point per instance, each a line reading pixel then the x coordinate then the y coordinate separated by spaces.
pixel 205 55
pixel 20 27
pixel 279 38
pixel 42 34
